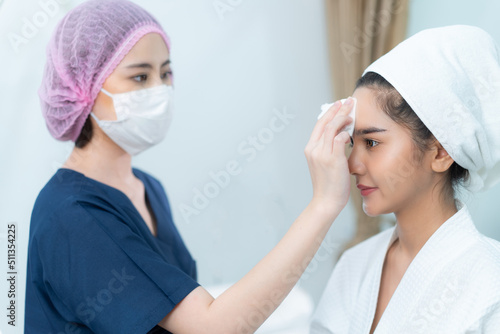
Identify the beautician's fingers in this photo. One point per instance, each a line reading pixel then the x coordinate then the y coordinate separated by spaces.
pixel 339 144
pixel 336 109
pixel 338 122
pixel 332 129
pixel 328 163
pixel 321 123
pixel 330 174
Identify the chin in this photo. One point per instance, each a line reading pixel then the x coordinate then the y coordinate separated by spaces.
pixel 369 211
pixel 372 210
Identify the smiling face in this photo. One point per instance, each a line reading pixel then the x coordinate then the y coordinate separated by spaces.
pixel 385 157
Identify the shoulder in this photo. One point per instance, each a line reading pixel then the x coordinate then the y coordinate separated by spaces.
pixel 484 254
pixel 61 189
pixel 69 203
pixel 485 257
pixel 491 246
pixel 476 272
pixel 67 216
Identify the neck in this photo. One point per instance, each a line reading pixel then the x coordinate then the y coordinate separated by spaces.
pixel 102 160
pixel 417 223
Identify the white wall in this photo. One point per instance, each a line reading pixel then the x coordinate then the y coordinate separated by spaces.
pixel 232 73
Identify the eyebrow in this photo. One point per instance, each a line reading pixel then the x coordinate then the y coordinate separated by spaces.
pixel 147 65
pixel 366 131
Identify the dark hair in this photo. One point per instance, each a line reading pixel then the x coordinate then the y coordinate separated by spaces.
pixel 396 107
pixel 85 135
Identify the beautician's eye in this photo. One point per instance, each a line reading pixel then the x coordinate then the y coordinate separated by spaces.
pixel 140 78
pixel 371 143
pixel 166 75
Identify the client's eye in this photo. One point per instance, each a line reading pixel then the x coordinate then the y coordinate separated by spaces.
pixel 371 143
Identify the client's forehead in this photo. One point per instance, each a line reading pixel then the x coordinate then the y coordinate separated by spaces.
pixel 370 118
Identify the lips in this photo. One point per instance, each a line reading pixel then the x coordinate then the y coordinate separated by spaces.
pixel 365 190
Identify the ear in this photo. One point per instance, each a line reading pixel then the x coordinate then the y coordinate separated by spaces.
pixel 441 160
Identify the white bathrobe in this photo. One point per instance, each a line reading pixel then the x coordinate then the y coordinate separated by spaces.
pixel 451 286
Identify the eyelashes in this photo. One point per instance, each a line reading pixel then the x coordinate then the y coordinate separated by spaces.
pixel 370 143
pixel 143 77
pixel 168 73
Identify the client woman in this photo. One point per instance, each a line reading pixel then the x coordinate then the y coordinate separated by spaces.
pixel 427 124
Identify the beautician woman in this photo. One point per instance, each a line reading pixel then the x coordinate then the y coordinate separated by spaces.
pixel 104 254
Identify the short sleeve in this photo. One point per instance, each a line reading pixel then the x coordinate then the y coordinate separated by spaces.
pixel 100 273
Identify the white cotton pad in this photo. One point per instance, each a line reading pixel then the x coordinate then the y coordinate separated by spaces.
pixel 350 127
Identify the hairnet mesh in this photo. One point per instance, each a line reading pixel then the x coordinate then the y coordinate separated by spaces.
pixel 85 48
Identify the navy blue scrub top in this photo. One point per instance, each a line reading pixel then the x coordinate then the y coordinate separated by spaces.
pixel 93 264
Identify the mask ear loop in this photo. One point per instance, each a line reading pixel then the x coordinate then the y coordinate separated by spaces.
pixel 107 93
pixel 95 117
pixel 92 113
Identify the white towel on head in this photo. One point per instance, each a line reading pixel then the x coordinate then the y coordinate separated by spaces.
pixel 349 127
pixel 450 76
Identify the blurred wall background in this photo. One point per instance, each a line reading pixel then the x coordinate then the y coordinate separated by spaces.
pixel 238 65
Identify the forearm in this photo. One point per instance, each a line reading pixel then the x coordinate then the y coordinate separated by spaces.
pixel 249 302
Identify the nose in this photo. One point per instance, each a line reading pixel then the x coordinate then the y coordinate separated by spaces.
pixel 355 163
pixel 156 79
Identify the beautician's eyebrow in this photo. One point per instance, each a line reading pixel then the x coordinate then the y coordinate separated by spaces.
pixel 366 131
pixel 147 65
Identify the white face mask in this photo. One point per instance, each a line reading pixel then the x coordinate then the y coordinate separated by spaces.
pixel 143 118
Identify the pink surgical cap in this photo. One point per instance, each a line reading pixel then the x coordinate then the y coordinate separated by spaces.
pixel 85 48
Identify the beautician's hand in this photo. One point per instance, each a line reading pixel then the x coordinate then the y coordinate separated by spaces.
pixel 325 153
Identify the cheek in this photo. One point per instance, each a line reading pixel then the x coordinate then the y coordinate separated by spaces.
pixel 103 107
pixel 396 170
